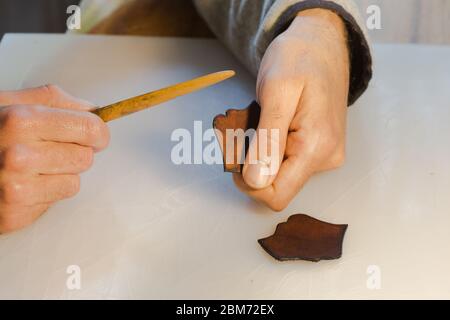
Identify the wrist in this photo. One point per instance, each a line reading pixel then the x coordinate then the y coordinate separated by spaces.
pixel 320 26
pixel 328 21
pixel 321 31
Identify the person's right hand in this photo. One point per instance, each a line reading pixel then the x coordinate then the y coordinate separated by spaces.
pixel 47 138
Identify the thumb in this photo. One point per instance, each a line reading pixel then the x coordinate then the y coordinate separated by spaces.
pixel 266 150
pixel 48 95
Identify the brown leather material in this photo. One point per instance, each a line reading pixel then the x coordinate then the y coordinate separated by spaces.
pixel 305 238
pixel 244 119
pixel 163 18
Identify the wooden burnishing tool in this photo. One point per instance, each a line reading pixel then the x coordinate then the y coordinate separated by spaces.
pixel 132 105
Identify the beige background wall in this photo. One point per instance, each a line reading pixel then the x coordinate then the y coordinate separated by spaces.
pixel 423 21
pixel 417 21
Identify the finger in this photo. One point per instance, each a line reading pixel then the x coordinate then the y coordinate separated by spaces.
pixel 299 165
pixel 41 189
pixel 48 95
pixel 293 174
pixel 47 158
pixel 72 126
pixel 13 218
pixel 266 151
pixel 40 123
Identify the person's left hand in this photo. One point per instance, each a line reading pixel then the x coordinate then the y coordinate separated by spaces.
pixel 302 88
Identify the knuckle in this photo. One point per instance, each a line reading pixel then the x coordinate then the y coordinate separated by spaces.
pixel 15 118
pixel 51 88
pixel 89 125
pixel 95 131
pixel 12 192
pixel 297 139
pixel 14 158
pixel 50 91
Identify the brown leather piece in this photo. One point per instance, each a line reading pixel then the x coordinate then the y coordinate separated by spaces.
pixel 234 119
pixel 305 238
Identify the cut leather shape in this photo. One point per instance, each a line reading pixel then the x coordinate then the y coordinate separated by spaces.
pixel 234 119
pixel 305 238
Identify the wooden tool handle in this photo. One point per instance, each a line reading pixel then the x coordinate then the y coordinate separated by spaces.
pixel 132 105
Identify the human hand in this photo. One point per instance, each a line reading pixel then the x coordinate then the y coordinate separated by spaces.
pixel 47 138
pixel 302 88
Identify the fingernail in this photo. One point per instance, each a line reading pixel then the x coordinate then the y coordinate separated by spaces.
pixel 255 175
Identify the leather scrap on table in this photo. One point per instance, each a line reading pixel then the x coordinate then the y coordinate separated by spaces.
pixel 305 238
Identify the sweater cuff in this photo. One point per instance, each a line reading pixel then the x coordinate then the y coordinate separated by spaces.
pixel 359 49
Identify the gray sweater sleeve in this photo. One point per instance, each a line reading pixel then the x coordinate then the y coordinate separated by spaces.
pixel 247 27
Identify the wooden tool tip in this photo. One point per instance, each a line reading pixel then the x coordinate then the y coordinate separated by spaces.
pixel 228 73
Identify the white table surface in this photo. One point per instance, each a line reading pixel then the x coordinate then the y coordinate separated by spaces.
pixel 142 227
